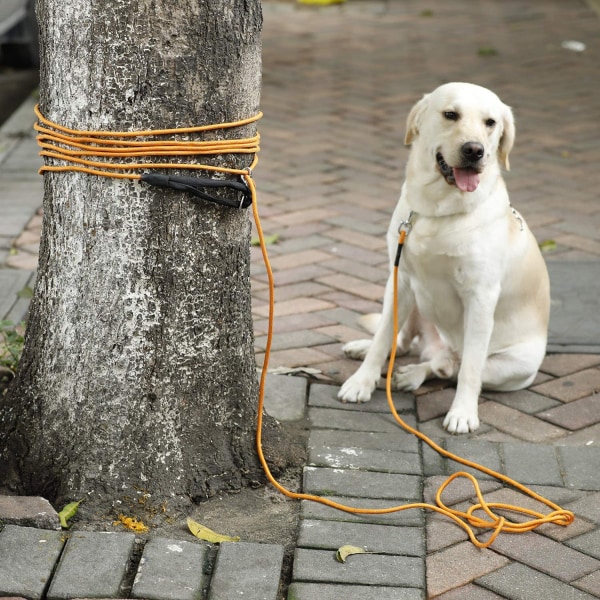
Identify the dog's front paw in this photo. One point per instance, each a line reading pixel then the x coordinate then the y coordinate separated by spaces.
pixel 409 377
pixel 356 349
pixel 357 389
pixel 461 421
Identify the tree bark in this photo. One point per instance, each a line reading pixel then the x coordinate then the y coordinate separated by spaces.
pixel 138 370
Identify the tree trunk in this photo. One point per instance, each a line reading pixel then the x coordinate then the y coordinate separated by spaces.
pixel 138 370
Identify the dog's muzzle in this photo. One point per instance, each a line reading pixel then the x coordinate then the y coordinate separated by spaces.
pixel 466 178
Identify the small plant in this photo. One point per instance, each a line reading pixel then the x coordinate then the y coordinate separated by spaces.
pixel 11 347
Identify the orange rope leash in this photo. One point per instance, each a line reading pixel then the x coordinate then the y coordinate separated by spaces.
pixel 70 146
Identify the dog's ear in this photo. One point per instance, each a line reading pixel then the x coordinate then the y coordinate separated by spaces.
pixel 508 137
pixel 413 122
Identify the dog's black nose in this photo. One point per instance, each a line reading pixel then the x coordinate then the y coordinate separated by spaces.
pixel 472 151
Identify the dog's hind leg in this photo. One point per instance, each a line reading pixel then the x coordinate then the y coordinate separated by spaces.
pixel 515 368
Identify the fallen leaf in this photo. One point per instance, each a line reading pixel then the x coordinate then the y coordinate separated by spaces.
pixel 68 512
pixel 26 293
pixel 547 245
pixel 132 524
pixel 270 239
pixel 487 51
pixel 208 535
pixel 345 551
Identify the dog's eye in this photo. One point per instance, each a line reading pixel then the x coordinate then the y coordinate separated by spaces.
pixel 451 115
pixel 490 123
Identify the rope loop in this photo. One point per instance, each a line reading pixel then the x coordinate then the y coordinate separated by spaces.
pixel 115 153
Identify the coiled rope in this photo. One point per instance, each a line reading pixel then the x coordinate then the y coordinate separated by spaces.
pixel 93 152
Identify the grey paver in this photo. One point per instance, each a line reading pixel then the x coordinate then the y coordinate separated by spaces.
pixel 170 570
pixel 330 535
pixel 572 324
pixel 285 397
pixel 28 556
pixel 588 543
pixel 581 467
pixel 361 484
pixel 325 396
pixel 103 558
pixel 546 555
pixel 532 464
pixel 353 421
pixel 365 569
pixel 327 591
pixel 333 438
pixel 28 511
pixel 315 510
pixel 248 571
pixel 519 582
pixel 11 283
pixel 367 460
pixel 483 453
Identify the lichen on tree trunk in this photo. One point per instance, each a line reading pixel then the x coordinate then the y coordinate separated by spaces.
pixel 138 370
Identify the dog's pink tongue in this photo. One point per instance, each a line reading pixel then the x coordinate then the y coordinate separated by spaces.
pixel 466 180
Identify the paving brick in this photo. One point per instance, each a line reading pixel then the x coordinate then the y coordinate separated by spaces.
pixel 352 420
pixel 578 527
pixel 331 535
pixel 523 400
pixel 324 591
pixel 411 518
pixel 565 364
pixel 483 453
pixel 587 507
pixel 285 397
pixel 575 415
pixel 363 569
pixel 532 464
pixel 581 467
pixel 297 259
pixel 517 424
pixel 459 565
pixel 363 289
pixel 590 583
pixel 588 543
pixel 248 571
pixel 28 511
pixel 434 405
pixel 171 570
pixel 366 440
pixel 28 557
pixel 102 556
pixel 325 396
pixel 545 555
pixel 519 582
pixel 360 484
pixel 295 306
pixel 469 592
pixel 296 357
pixel 293 340
pixel 367 460
pixel 571 387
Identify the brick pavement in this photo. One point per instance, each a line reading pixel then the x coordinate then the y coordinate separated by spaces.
pixel 337 85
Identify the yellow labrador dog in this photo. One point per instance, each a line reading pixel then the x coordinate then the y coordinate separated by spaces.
pixel 472 283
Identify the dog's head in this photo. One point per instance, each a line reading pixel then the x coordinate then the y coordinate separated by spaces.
pixel 462 129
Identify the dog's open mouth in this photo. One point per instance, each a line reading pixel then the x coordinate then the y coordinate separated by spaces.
pixel 465 179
